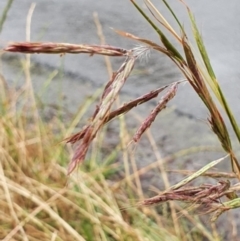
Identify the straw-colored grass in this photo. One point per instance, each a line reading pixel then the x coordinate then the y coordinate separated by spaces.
pixel 39 201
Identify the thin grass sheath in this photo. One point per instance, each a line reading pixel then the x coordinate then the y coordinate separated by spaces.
pixel 63 48
pixel 161 105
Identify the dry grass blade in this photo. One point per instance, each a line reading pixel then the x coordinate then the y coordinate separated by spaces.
pixel 159 17
pixel 63 48
pixel 160 106
pixel 27 194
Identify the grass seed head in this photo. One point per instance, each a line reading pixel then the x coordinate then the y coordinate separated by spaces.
pixel 160 106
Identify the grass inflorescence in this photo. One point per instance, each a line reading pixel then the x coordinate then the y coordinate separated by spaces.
pixel 41 200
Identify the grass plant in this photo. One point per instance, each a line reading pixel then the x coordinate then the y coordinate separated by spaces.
pixel 40 199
